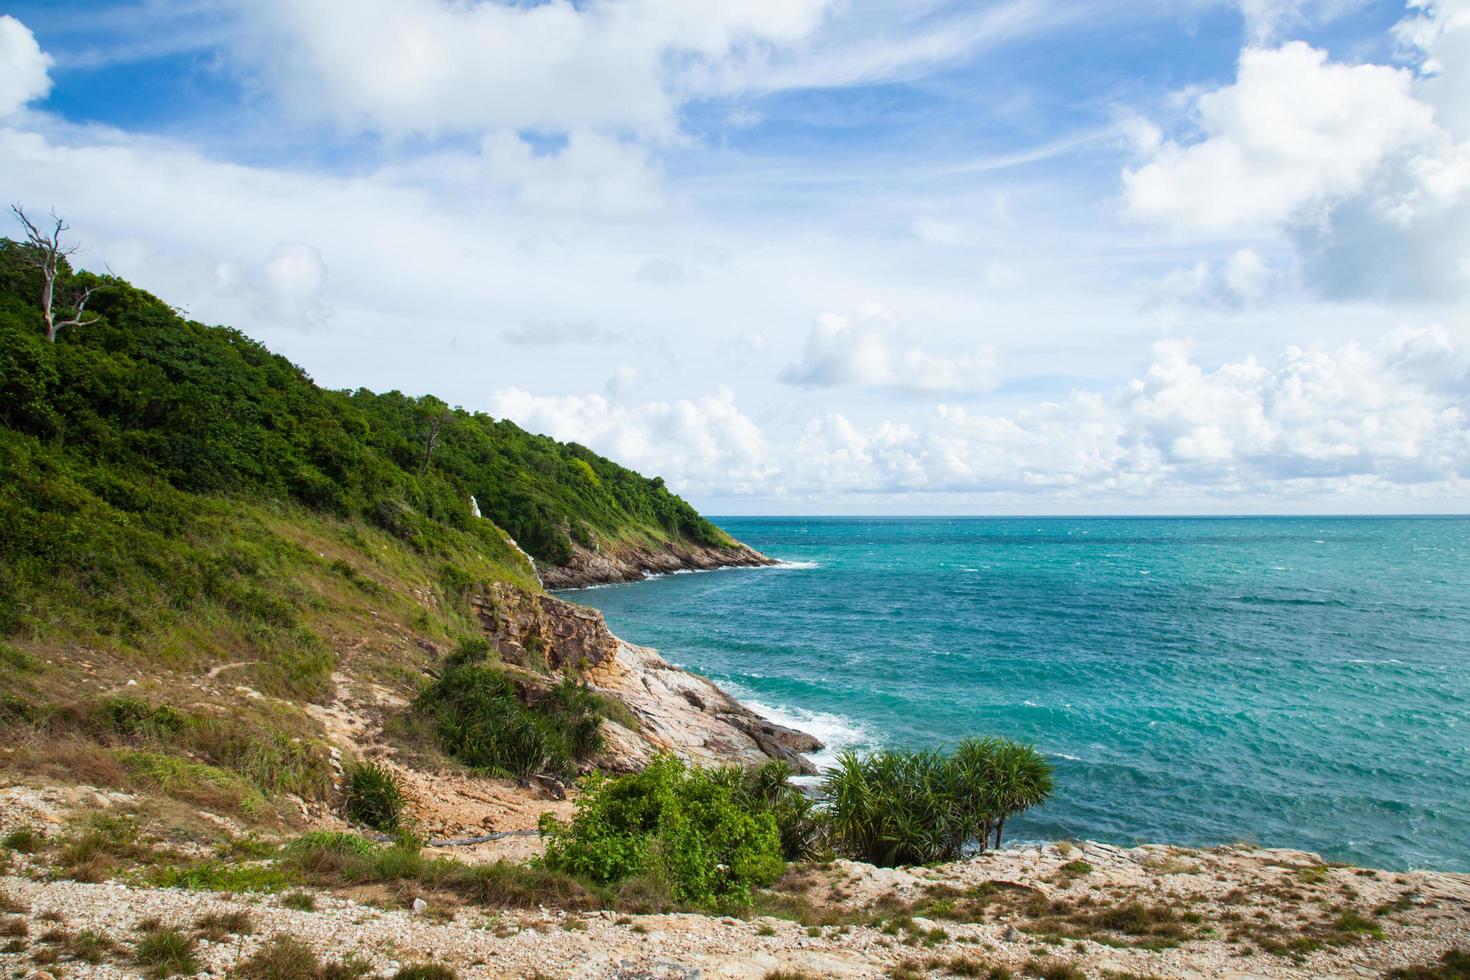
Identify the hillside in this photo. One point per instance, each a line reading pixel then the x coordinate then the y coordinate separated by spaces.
pixel 220 583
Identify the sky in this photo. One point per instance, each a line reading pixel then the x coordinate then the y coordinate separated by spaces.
pixel 814 256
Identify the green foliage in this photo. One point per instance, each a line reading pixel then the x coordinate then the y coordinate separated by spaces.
pixel 237 760
pixel 300 901
pixel 111 435
pixel 374 798
pixel 680 824
pixel 1453 965
pixel 800 821
pixel 425 971
pixel 221 876
pixel 168 953
pixel 23 840
pixel 894 808
pixel 480 720
pixel 344 859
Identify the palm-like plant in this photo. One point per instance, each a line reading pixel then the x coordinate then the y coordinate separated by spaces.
pixel 897 807
pixel 1020 779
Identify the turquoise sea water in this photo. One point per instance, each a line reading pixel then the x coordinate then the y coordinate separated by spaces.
pixel 1296 682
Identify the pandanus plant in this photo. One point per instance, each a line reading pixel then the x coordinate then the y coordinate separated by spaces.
pixel 898 807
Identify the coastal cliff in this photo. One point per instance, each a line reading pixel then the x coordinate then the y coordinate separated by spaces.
pixel 607 565
pixel 676 711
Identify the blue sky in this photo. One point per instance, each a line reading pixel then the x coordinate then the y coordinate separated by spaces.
pixel 812 256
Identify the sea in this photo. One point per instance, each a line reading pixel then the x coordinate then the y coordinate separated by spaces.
pixel 1298 682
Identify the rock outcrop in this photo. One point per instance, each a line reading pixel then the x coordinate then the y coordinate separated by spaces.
pixel 677 711
pixel 631 563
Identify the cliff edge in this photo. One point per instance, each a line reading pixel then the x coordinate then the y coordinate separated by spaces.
pixel 630 563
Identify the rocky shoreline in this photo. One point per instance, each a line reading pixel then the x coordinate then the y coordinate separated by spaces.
pixel 676 711
pixel 633 563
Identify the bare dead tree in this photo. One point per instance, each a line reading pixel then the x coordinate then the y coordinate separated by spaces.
pixel 46 253
pixel 432 426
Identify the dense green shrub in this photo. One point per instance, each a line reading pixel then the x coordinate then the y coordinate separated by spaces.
pixel 896 807
pixel 677 824
pixel 480 720
pixel 800 819
pixel 374 798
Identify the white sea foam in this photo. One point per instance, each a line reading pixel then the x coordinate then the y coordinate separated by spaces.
pixel 836 732
pixel 795 565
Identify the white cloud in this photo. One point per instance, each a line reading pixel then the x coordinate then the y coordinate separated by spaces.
pixel 1242 279
pixel 24 67
pixel 442 66
pixel 1293 130
pixel 293 278
pixel 865 351
pixel 1439 35
pixel 1266 20
pixel 937 231
pixel 690 442
pixel 590 173
pixel 1392 414
pixel 1351 163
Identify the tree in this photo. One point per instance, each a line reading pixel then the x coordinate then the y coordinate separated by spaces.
pixel 433 415
pixel 47 253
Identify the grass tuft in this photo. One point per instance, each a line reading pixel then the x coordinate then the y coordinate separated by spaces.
pixel 167 953
pixel 374 797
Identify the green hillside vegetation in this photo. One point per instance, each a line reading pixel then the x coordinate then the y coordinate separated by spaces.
pixel 178 504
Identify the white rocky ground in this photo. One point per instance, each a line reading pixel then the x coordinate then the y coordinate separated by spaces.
pixel 1431 913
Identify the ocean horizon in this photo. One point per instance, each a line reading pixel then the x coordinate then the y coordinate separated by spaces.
pixel 1292 681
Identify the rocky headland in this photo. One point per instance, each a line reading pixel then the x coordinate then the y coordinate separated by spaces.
pixel 630 563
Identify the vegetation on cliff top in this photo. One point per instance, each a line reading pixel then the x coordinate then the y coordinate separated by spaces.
pixel 128 418
pixel 188 517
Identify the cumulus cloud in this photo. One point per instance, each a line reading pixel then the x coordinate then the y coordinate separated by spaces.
pixel 1353 163
pixel 441 66
pixel 1392 414
pixel 1293 130
pixel 24 67
pixel 865 351
pixel 690 442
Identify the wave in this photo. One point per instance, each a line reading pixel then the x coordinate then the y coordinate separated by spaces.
pixel 795 565
pixel 837 733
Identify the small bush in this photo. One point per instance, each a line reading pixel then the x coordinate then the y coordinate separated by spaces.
pixel 1453 965
pixel 504 884
pixel 801 823
pixel 89 946
pixel 671 821
pixel 167 953
pixel 282 958
pixel 374 798
pixel 425 971
pixel 479 718
pixel 300 901
pixel 24 840
pixel 219 926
